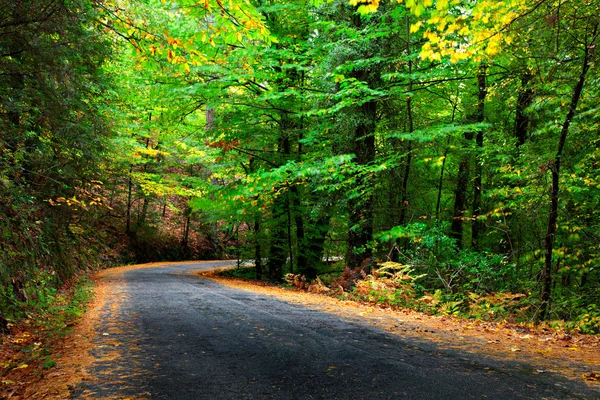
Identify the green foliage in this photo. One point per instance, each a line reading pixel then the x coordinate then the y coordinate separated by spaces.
pixel 243 272
pixel 48 363
pixel 292 133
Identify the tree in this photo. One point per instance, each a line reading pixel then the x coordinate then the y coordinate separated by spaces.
pixel 53 137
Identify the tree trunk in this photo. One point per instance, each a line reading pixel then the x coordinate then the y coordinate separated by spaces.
pixel 554 191
pixel 361 209
pixel 477 182
pixel 409 115
pixel 278 248
pixel 288 206
pixel 129 202
pixel 524 100
pixel 257 248
pixel 186 228
pixel 304 268
pixel 460 196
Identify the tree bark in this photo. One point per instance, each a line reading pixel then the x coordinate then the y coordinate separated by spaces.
pixel 257 248
pixel 361 209
pixel 555 188
pixel 129 202
pixel 477 182
pixel 409 144
pixel 524 100
pixel 278 247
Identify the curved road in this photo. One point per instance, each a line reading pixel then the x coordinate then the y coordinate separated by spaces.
pixel 165 334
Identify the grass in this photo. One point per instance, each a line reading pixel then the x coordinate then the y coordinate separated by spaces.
pixel 49 318
pixel 246 272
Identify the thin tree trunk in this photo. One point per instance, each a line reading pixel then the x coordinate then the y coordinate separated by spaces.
pixel 554 191
pixel 278 247
pixel 301 258
pixel 186 230
pixel 443 169
pixel 288 205
pixel 143 213
pixel 460 197
pixel 441 185
pixel 524 100
pixel 477 182
pixel 129 200
pixel 257 248
pixel 409 114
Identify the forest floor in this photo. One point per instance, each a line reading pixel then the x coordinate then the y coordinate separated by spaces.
pixel 545 352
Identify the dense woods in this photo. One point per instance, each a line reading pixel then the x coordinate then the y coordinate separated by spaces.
pixel 453 142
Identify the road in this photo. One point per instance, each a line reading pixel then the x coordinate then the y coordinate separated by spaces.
pixel 165 334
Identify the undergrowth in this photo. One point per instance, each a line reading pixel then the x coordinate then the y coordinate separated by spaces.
pixel 242 272
pixel 398 286
pixel 39 323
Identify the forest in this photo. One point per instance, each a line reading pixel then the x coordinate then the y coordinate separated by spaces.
pixel 452 146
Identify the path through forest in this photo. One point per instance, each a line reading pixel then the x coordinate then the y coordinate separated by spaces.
pixel 159 331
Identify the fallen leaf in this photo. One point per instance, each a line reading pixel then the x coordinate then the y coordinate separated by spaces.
pixel 525 337
pixel 592 376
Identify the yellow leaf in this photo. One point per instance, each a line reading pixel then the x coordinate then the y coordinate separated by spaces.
pixel 415 27
pixel 22 366
pixel 419 9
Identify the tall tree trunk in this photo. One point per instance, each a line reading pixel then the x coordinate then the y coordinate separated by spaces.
pixel 278 247
pixel 288 206
pixel 460 196
pixel 524 100
pixel 361 209
pixel 554 191
pixel 477 182
pixel 360 221
pixel 441 185
pixel 129 201
pixel 278 251
pixel 257 248
pixel 143 213
pixel 443 169
pixel 186 229
pixel 409 144
pixel 301 259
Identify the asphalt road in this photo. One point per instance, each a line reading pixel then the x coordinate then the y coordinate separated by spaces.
pixel 167 335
